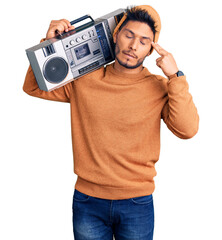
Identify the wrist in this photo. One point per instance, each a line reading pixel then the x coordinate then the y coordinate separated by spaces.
pixel 177 74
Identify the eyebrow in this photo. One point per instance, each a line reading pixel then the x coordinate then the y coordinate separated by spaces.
pixel 134 34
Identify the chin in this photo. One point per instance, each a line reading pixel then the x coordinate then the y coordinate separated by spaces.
pixel 129 65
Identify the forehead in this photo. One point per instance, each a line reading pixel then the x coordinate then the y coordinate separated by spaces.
pixel 138 28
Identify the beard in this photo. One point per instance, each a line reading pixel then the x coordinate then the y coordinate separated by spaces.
pixel 126 64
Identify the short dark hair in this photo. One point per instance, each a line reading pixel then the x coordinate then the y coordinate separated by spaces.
pixel 141 15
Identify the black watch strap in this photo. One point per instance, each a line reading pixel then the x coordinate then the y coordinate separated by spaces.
pixel 178 74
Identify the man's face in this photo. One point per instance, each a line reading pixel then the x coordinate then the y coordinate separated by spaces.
pixel 133 44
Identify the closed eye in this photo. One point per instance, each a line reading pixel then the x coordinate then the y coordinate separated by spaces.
pixel 129 36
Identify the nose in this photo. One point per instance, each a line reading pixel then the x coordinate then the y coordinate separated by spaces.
pixel 133 44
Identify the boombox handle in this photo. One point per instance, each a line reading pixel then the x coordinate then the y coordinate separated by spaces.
pixel 81 19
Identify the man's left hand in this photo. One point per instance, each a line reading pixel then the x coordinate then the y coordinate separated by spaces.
pixel 166 62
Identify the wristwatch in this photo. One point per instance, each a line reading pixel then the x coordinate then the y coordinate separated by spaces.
pixel 178 74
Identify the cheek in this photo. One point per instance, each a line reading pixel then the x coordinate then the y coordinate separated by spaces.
pixel 122 42
pixel 146 50
pixel 116 49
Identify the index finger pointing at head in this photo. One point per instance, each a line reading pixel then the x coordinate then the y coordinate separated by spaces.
pixel 159 49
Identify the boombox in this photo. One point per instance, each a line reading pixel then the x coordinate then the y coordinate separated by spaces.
pixel 68 56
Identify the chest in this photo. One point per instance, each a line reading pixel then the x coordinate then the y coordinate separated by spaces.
pixel 119 104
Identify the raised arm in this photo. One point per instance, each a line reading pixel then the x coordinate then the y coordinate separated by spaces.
pixel 179 113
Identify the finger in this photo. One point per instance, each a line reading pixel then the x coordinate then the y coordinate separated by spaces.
pixel 159 63
pixel 57 27
pixel 67 25
pixel 71 28
pixel 159 59
pixel 159 49
pixel 67 22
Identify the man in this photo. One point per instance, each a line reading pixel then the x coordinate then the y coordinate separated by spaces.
pixel 116 113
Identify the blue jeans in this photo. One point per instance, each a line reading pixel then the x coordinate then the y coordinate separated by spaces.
pixel 101 219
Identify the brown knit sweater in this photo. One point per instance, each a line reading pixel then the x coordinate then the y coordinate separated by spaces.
pixel 115 119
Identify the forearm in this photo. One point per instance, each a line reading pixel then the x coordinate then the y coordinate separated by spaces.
pixel 180 113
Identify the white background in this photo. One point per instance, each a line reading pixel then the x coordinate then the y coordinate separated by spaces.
pixel 36 165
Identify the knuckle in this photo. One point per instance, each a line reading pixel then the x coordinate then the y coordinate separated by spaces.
pixel 53 21
pixel 64 21
pixel 60 28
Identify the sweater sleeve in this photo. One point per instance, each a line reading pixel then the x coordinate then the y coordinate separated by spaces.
pixel 179 112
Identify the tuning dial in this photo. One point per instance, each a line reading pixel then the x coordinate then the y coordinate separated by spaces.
pixel 72 42
pixel 84 37
pixel 78 39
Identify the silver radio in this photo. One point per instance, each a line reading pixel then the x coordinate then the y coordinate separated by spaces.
pixel 66 57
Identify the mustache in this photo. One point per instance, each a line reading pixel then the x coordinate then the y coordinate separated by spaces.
pixel 129 52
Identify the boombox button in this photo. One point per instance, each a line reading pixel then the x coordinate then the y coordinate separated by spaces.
pixel 78 39
pixel 84 37
pixel 95 39
pixel 72 42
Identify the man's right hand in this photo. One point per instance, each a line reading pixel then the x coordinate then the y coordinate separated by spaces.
pixel 58 26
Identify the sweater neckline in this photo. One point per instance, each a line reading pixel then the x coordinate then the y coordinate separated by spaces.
pixel 118 77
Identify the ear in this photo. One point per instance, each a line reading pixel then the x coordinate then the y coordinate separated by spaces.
pixel 115 37
pixel 148 53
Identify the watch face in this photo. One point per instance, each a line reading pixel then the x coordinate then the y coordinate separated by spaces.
pixel 180 73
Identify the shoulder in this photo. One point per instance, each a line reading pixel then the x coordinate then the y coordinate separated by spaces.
pixel 89 77
pixel 98 73
pixel 159 82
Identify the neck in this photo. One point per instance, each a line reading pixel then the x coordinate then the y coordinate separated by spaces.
pixel 123 69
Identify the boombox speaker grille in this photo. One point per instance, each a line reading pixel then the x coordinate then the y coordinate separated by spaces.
pixel 55 70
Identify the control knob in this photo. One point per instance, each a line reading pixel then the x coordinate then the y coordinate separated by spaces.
pixel 84 37
pixel 78 39
pixel 72 42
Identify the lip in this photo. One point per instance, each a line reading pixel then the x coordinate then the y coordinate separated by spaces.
pixel 129 55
